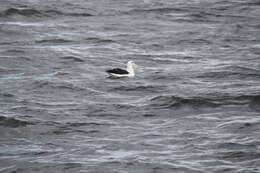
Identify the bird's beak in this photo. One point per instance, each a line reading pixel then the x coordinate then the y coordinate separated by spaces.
pixel 135 65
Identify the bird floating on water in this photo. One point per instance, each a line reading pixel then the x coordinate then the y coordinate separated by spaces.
pixel 128 72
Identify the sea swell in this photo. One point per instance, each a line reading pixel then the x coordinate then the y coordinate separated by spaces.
pixel 30 12
pixel 13 122
pixel 193 105
pixel 174 102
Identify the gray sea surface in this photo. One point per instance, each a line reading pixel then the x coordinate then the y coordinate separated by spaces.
pixel 193 107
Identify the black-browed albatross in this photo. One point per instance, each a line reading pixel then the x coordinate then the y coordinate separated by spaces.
pixel 128 72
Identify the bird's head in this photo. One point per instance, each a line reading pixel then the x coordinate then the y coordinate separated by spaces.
pixel 131 63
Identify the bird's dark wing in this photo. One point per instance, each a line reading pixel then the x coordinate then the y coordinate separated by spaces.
pixel 117 71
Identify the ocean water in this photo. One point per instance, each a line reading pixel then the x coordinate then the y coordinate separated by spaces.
pixel 193 107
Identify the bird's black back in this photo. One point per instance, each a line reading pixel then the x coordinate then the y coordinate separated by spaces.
pixel 117 71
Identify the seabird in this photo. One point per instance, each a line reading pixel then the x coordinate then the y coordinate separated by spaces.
pixel 128 72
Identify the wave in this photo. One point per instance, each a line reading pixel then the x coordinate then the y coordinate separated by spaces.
pixel 65 129
pixel 253 101
pixel 139 88
pixel 178 102
pixel 93 124
pixel 232 71
pixel 13 52
pixel 23 12
pixel 226 74
pixel 240 126
pixel 6 95
pixel 149 115
pixel 12 122
pixel 99 40
pixel 239 156
pixel 234 146
pixel 91 40
pixel 43 84
pixel 158 10
pixel 194 41
pixel 187 14
pixel 244 69
pixel 28 12
pixel 57 41
pixel 72 58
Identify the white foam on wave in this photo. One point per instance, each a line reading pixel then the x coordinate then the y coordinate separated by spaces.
pixel 22 23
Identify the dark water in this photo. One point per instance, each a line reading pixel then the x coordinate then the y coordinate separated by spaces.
pixel 194 105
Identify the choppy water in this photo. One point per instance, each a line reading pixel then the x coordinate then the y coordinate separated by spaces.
pixel 194 105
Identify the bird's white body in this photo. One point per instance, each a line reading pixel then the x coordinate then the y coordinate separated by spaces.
pixel 120 75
